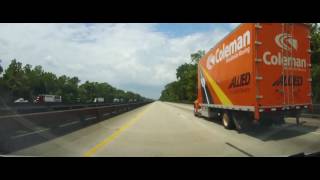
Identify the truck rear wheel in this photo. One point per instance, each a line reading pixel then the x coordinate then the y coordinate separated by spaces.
pixel 195 110
pixel 242 121
pixel 227 121
pixel 195 113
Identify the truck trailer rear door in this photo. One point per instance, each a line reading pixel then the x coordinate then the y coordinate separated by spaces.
pixel 284 69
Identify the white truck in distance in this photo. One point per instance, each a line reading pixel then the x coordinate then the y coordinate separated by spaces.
pixel 48 99
pixel 98 100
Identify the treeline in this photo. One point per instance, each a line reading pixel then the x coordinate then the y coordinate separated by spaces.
pixel 184 88
pixel 18 81
pixel 315 58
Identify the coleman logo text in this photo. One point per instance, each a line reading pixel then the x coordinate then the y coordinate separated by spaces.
pixel 231 51
pixel 287 43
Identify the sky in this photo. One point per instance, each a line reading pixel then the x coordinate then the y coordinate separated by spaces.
pixel 134 57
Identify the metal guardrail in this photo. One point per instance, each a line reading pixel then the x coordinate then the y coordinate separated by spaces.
pixel 11 126
pixel 71 109
pixel 24 108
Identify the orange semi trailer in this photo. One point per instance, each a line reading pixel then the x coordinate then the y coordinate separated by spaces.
pixel 258 73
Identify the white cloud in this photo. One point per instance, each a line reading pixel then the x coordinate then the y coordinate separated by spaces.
pixel 129 56
pixel 233 25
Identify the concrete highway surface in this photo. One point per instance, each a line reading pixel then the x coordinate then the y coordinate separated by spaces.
pixel 168 129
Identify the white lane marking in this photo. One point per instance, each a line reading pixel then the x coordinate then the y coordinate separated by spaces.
pixel 68 124
pixel 30 133
pixel 87 119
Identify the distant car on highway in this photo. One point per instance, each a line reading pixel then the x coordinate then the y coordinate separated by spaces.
pixel 21 100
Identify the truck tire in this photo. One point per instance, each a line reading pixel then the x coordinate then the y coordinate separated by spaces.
pixel 227 120
pixel 197 114
pixel 242 121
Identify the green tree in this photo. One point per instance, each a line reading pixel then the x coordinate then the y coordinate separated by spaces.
pixel 50 82
pixel 185 88
pixel 187 78
pixel 68 88
pixel 90 90
pixel 36 81
pixel 86 92
pixel 195 57
pixel 14 79
pixel 315 83
pixel 315 55
pixel 27 82
pixel 171 92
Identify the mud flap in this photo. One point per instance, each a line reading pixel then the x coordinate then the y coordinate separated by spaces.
pixel 241 120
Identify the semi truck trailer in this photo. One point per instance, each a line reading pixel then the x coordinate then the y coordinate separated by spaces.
pixel 98 100
pixel 44 98
pixel 258 74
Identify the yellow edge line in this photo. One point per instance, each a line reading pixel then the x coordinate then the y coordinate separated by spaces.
pixel 113 136
pixel 221 95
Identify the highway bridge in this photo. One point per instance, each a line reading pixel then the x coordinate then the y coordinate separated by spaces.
pixel 159 129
